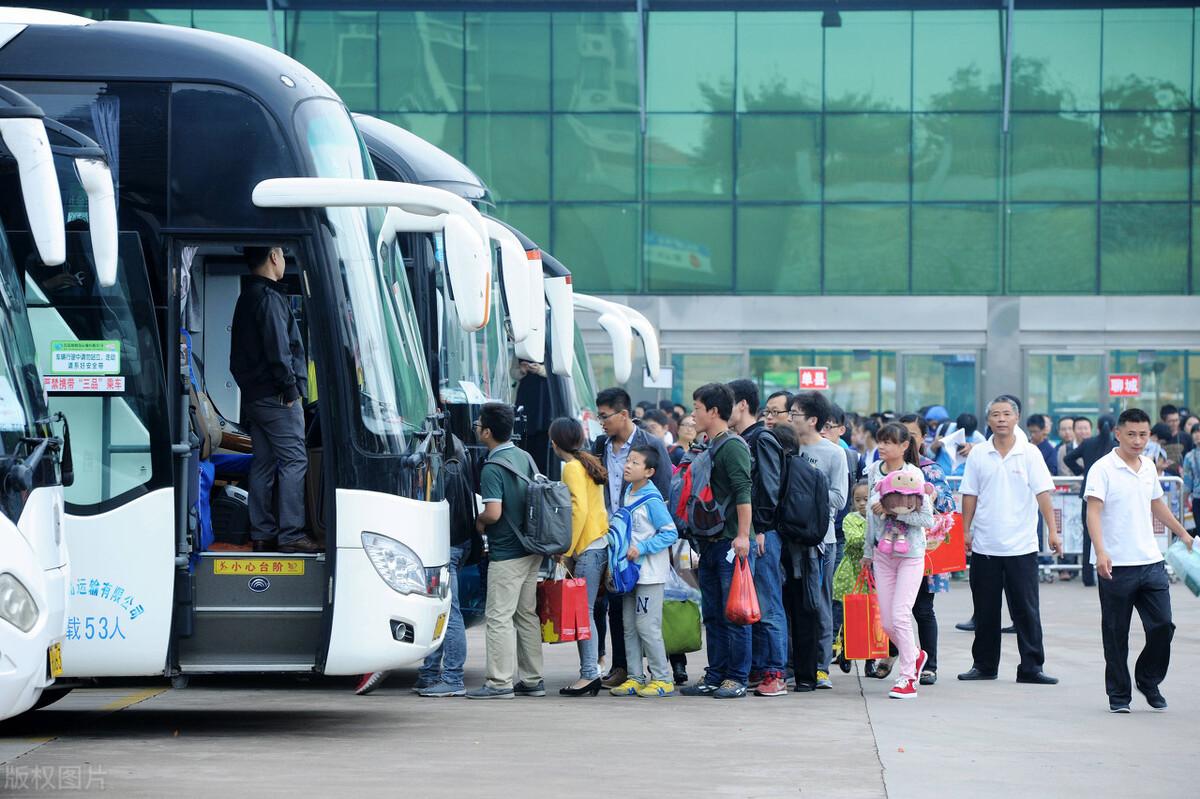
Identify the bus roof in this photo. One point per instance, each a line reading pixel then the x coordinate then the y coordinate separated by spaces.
pixel 419 161
pixel 153 52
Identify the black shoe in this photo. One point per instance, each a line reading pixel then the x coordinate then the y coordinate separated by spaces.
pixel 976 674
pixel 1118 707
pixel 681 677
pixel 1037 678
pixel 1155 699
pixel 966 626
pixel 304 545
pixel 928 677
pixel 538 689
pixel 804 687
pixel 264 545
pixel 1010 629
pixel 591 689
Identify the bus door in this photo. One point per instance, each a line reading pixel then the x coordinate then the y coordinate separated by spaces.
pixel 99 356
pixel 239 610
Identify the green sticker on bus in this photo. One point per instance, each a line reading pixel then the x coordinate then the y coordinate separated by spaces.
pixel 85 357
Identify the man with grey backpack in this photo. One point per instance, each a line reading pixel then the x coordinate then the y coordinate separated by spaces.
pixel 524 520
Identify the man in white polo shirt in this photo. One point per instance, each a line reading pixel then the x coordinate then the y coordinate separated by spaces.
pixel 1124 496
pixel 1005 484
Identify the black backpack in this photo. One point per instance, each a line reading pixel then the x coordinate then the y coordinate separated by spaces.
pixel 802 515
pixel 455 476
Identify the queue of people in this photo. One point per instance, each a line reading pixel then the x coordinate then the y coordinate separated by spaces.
pixel 885 483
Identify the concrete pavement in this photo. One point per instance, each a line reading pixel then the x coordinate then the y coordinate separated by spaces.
pixel 275 736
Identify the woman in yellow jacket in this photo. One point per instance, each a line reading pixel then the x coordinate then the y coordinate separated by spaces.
pixel 584 475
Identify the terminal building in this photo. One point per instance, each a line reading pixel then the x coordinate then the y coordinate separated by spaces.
pixel 936 201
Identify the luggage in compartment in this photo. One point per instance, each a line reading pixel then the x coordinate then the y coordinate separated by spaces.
pixel 231 515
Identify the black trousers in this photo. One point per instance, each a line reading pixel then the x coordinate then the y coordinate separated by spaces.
pixel 1147 589
pixel 1087 570
pixel 1017 578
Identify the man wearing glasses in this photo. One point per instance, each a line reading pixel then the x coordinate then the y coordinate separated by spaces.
pixel 776 409
pixel 620 438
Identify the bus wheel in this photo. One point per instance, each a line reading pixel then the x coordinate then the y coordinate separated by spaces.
pixel 49 697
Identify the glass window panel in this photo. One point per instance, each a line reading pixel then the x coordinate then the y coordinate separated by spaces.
pixel 946 379
pixel 689 61
pixel 1196 262
pixel 1054 156
pixel 600 244
pixel 689 248
pixel 508 61
pixel 956 250
pixel 1145 156
pixel 860 381
pixel 532 219
pixel 1064 384
pixel 602 370
pixel 420 61
pixel 1163 378
pixel 779 157
pixel 339 46
pixel 693 370
pixel 1143 248
pixel 779 249
pixel 689 156
pixel 1147 58
pixel 956 157
pixel 868 61
pixel 511 152
pixel 596 156
pixel 866 249
pixel 1052 249
pixel 595 62
pixel 866 157
pixel 1056 60
pixel 957 63
pixel 779 61
pixel 163 16
pixel 253 25
pixel 441 130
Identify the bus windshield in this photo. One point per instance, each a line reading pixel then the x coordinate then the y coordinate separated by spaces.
pixel 393 384
pixel 22 398
pixel 475 365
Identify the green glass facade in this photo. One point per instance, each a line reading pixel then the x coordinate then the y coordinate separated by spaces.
pixel 782 157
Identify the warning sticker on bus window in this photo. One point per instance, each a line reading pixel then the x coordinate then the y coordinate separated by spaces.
pixel 85 357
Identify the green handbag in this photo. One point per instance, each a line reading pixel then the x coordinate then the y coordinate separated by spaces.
pixel 681 626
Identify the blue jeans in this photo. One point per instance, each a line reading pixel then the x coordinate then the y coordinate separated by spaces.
pixel 825 629
pixel 730 646
pixel 445 664
pixel 770 634
pixel 590 565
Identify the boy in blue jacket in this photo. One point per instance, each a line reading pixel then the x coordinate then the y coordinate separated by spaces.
pixel 653 532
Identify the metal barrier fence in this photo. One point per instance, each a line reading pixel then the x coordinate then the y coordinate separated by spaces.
pixel 1068 518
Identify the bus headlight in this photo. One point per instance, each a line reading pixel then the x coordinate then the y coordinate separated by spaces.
pixel 398 565
pixel 16 603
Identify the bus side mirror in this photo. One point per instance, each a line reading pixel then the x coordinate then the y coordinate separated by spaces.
pixel 621 335
pixel 102 217
pixel 26 139
pixel 469 265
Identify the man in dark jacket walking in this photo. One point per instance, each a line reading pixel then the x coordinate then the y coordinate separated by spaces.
pixel 1080 461
pixel 267 360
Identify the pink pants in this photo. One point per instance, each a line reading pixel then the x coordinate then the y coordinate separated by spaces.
pixel 897 581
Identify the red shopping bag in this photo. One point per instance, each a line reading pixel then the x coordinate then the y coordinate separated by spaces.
pixel 742 605
pixel 951 555
pixel 575 593
pixel 556 615
pixel 862 630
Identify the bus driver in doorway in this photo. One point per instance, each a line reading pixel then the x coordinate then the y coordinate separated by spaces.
pixel 266 358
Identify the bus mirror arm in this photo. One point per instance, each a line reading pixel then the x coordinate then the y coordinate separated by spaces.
pixel 19 476
pixel 66 460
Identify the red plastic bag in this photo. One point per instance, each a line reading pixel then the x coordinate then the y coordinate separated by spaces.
pixel 951 556
pixel 742 605
pixel 863 637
